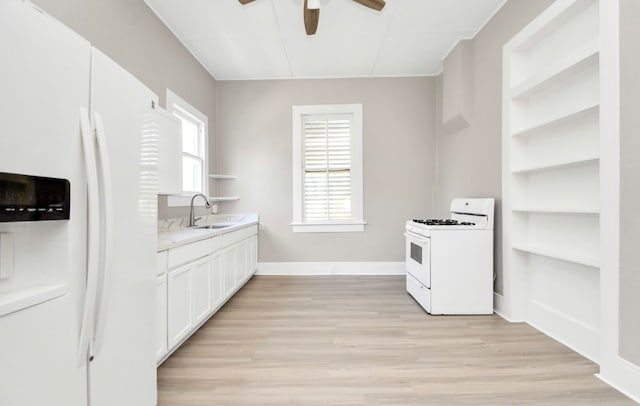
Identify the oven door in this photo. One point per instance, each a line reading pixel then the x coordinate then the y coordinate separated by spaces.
pixel 418 257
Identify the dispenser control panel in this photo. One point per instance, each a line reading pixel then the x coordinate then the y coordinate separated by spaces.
pixel 33 198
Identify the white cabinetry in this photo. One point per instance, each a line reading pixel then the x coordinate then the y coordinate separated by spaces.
pixel 180 307
pixel 161 317
pixel 189 298
pixel 202 289
pixel 229 271
pixel 253 254
pixel 217 291
pixel 169 152
pixel 198 279
pixel 551 174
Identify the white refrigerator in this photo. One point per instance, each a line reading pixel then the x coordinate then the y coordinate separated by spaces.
pixel 77 296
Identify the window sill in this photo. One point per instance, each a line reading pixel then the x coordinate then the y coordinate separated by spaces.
pixel 328 228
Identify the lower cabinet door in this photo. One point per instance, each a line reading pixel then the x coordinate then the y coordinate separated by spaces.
pixel 241 261
pixel 180 306
pixel 253 254
pixel 201 289
pixel 229 270
pixel 217 281
pixel 161 317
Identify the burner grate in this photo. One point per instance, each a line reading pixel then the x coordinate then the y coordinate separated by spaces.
pixel 443 222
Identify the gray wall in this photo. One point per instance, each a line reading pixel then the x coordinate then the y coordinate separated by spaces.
pixel 469 161
pixel 254 142
pixel 629 181
pixel 132 35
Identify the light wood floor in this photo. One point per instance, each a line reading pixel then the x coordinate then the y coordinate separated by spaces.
pixel 342 340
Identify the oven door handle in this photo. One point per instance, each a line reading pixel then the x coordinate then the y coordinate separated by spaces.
pixel 416 238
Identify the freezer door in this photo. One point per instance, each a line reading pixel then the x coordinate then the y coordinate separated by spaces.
pixel 44 81
pixel 123 369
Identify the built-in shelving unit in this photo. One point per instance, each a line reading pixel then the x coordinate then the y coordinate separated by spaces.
pixel 224 199
pixel 559 71
pixel 221 199
pixel 551 178
pixel 526 210
pixel 558 254
pixel 556 119
pixel 557 165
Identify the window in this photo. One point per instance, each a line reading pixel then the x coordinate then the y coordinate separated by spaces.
pixel 194 145
pixel 327 168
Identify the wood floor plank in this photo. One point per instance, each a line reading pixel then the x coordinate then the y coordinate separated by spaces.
pixel 362 340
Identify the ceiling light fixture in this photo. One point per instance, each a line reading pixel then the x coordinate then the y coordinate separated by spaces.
pixel 311 11
pixel 313 4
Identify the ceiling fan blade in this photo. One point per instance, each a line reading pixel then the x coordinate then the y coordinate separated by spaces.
pixel 374 4
pixel 246 1
pixel 311 18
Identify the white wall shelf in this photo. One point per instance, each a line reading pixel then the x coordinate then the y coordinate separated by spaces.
pixel 558 254
pixel 562 69
pixel 589 212
pixel 224 199
pixel 222 177
pixel 551 173
pixel 556 120
pixel 557 165
pixel 220 199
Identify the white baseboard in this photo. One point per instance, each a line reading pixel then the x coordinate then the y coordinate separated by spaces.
pixel 499 306
pixel 331 268
pixel 623 376
pixel 580 337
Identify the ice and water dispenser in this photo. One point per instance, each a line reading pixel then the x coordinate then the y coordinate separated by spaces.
pixel 28 198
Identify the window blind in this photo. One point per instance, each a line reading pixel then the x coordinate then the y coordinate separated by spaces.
pixel 327 167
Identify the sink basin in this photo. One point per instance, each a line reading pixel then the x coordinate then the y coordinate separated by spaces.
pixel 213 226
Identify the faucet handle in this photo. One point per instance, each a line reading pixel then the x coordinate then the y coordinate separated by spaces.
pixel 195 220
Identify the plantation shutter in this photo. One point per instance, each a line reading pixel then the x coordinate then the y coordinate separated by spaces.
pixel 327 167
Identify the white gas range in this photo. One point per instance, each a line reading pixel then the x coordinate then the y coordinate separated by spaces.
pixel 449 262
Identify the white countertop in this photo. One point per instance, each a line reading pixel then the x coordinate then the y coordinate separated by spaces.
pixel 172 238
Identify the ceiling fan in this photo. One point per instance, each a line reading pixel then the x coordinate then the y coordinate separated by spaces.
pixel 312 11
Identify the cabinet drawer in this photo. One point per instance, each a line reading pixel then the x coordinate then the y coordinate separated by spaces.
pixel 239 235
pixel 215 244
pixel 251 230
pixel 162 263
pixel 233 237
pixel 189 252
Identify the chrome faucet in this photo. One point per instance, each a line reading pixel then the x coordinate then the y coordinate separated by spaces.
pixel 192 220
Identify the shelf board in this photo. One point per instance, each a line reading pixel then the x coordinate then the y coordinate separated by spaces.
pixel 594 212
pixel 215 176
pixel 583 111
pixel 556 165
pixel 224 199
pixel 555 73
pixel 556 254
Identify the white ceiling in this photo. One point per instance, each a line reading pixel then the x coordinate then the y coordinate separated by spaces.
pixel 266 39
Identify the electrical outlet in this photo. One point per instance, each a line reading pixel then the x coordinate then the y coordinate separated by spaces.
pixel 261 225
pixel 214 209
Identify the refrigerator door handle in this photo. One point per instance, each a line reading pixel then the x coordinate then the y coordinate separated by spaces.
pixel 107 236
pixel 93 234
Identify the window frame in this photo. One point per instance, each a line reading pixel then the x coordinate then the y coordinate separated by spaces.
pixel 178 106
pixel 357 223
